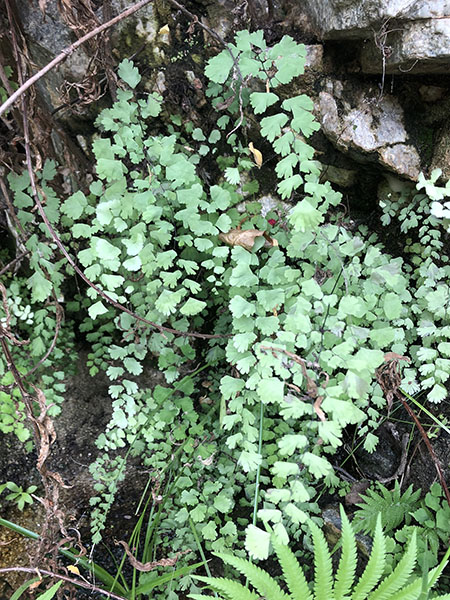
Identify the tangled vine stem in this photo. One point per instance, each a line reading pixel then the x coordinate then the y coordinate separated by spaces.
pixel 67 52
pixel 77 582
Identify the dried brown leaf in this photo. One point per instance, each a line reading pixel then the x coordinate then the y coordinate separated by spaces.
pixel 246 238
pixel 394 356
pixel 146 567
pixel 257 155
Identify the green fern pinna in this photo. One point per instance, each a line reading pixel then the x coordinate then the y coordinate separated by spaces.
pixel 401 584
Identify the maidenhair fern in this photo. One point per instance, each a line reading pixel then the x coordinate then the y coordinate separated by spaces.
pixel 401 584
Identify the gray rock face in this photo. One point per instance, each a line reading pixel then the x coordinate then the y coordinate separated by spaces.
pixel 419 47
pixel 47 36
pixel 400 35
pixel 374 128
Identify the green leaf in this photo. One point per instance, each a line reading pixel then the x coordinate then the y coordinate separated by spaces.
pixel 283 145
pixel 271 126
pixel 257 542
pixel 97 309
pixel 152 106
pixel 223 223
pixel 192 307
pixel 218 68
pixel 132 366
pixel 370 442
pixel 285 469
pixel 382 337
pixel 40 287
pixel 242 276
pixel 285 169
pixel 50 593
pixel 232 175
pixel 437 394
pixel 249 460
pixel 260 101
pixel 110 169
pixel 241 341
pixel 209 531
pixel 303 121
pixel 129 73
pixel 111 282
pixel 352 305
pixel 167 301
pixel 290 443
pixel 74 205
pixel 392 305
pixel 317 465
pixel 287 186
pixel 241 307
pixel 304 217
pixel 106 252
pixel 223 503
pixel 214 136
pixel 289 59
pixel 271 390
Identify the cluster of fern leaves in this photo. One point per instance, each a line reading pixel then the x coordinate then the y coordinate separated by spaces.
pixel 401 584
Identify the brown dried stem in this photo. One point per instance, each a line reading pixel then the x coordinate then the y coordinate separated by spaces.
pixel 389 378
pixel 13 262
pixel 67 52
pixel 77 582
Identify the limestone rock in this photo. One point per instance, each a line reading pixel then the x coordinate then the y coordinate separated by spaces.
pixel 441 155
pixel 344 19
pixel 400 35
pixel 372 130
pixel 314 57
pixel 416 47
pixel 344 178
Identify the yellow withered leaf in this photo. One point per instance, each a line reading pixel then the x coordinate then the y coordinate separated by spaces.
pixel 164 30
pixel 246 238
pixel 73 569
pixel 257 156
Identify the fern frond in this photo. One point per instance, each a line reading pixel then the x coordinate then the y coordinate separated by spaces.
pixel 292 571
pixel 394 507
pixel 260 580
pixel 375 566
pixel 347 565
pixel 410 592
pixel 323 569
pixel 230 590
pixel 400 575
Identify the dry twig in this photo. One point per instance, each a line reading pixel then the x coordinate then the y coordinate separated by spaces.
pixel 389 378
pixel 67 52
pixel 77 582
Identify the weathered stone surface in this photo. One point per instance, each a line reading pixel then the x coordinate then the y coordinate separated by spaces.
pixel 441 155
pixel 402 159
pixel 400 35
pixel 431 93
pixel 344 178
pixel 414 47
pixel 314 57
pixel 374 127
pixel 47 36
pixel 343 19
